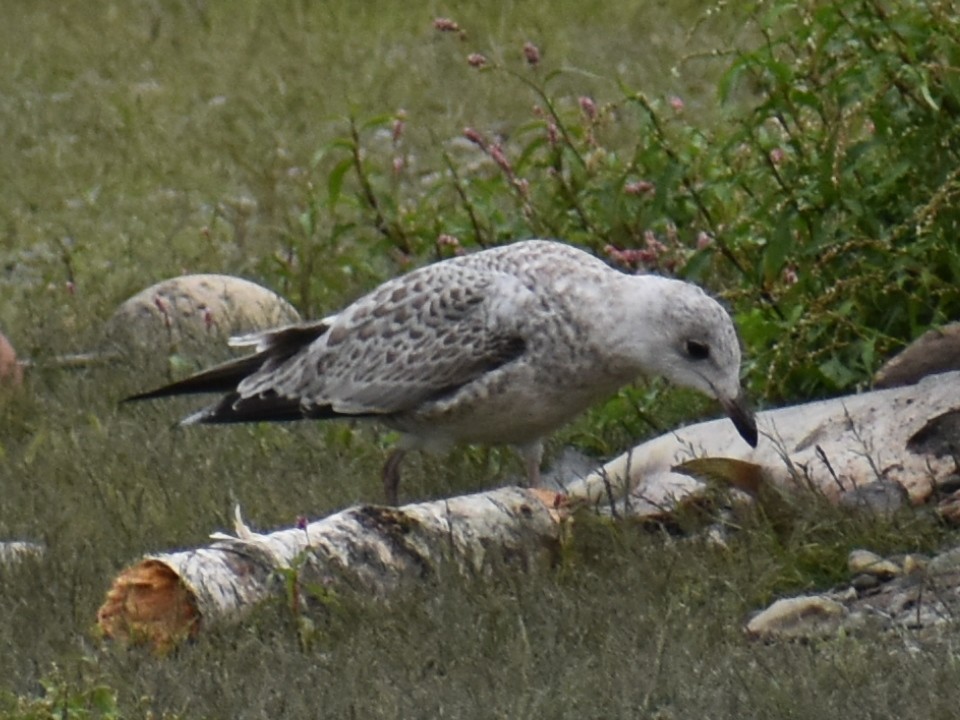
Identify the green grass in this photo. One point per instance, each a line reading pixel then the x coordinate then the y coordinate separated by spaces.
pixel 146 140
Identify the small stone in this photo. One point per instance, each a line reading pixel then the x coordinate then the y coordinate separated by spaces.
pixel 864 562
pixel 864 582
pixel 945 562
pixel 948 508
pixel 911 608
pixel 912 563
pixel 883 498
pixel 800 617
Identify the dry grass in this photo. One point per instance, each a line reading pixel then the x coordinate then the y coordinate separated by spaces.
pixel 132 135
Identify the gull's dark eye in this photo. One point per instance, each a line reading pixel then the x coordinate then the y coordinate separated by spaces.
pixel 697 350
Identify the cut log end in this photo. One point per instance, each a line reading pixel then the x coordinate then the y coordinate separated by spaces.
pixel 149 604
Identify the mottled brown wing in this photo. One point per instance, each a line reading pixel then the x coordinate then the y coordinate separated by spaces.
pixel 414 339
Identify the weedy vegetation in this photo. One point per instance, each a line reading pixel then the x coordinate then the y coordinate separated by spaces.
pixel 800 159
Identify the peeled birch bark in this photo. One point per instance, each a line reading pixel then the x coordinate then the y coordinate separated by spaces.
pixel 167 597
pixel 14 551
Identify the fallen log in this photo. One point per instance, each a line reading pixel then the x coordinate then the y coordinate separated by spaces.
pixel 167 597
pixel 906 437
pixel 841 448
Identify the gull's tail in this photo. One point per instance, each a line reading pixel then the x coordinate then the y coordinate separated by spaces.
pixel 273 348
pixel 222 378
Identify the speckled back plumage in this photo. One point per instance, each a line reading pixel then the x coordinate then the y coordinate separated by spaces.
pixel 500 347
pixel 429 345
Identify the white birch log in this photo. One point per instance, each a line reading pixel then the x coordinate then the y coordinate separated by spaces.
pixel 166 597
pixel 906 435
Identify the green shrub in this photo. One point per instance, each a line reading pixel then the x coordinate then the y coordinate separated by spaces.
pixel 846 168
pixel 823 208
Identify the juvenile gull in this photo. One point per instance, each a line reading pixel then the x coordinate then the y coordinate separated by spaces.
pixel 499 347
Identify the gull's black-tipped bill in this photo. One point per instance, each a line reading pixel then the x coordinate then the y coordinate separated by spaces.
pixel 740 412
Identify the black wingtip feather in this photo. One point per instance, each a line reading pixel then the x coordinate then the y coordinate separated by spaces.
pixel 219 379
pixel 232 409
pixel 276 346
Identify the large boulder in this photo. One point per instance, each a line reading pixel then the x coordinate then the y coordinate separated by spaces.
pixel 194 314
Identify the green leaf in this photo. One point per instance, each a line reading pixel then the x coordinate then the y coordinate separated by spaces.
pixel 335 180
pixel 337 144
pixel 777 249
pixel 925 92
pixel 838 374
pixel 377 122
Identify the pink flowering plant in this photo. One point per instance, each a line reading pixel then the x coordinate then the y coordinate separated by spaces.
pixel 823 208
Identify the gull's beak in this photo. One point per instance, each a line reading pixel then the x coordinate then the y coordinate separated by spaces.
pixel 741 413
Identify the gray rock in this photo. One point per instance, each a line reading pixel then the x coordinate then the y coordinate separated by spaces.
pixel 800 617
pixel 864 562
pixel 864 582
pixel 195 313
pixel 945 562
pixel 881 497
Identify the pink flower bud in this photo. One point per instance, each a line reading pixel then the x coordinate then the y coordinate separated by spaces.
pixel 588 106
pixel 532 54
pixel 676 103
pixel 399 125
pixel 451 242
pixel 652 243
pixel 445 25
pixel 553 133
pixel 475 137
pixel 500 158
pixel 640 187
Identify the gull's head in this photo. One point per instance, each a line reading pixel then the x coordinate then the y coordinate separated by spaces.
pixel 692 342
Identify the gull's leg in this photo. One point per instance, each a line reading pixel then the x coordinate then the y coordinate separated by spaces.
pixel 532 454
pixel 391 475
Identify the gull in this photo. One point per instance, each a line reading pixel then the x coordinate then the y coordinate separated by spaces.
pixel 498 347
